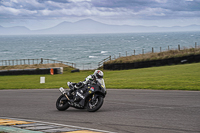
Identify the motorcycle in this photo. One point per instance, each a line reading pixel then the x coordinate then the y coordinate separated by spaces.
pixel 90 96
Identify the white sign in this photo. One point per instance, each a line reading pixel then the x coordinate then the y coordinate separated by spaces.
pixel 42 80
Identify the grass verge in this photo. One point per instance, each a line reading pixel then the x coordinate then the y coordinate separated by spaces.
pixel 175 77
pixel 156 56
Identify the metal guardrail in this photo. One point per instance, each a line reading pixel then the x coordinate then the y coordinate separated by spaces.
pixel 104 60
pixel 32 62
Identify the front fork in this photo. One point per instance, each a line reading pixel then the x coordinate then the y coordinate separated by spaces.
pixel 93 98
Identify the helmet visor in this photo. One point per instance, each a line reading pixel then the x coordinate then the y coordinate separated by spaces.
pixel 99 76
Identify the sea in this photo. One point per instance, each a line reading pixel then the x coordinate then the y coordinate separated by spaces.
pixel 87 50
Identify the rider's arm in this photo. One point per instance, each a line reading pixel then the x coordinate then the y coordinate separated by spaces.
pixel 88 79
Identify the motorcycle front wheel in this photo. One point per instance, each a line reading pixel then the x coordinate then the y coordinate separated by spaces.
pixel 61 104
pixel 94 104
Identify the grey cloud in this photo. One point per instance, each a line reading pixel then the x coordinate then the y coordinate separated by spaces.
pixel 28 5
pixel 182 5
pixel 137 9
pixel 59 1
pixel 174 5
pixel 121 3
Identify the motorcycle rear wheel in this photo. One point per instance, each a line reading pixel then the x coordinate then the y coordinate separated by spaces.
pixel 62 105
pixel 95 104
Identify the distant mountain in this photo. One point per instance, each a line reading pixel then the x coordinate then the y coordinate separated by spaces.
pixel 88 26
pixel 91 26
pixel 80 27
pixel 16 30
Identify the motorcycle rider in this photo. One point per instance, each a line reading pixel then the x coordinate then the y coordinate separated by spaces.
pixel 93 78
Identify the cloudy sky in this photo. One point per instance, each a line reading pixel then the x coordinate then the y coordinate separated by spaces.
pixel 39 14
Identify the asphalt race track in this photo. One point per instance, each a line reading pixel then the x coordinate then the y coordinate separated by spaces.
pixel 123 111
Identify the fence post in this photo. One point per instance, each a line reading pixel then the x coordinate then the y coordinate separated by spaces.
pixel 152 50
pixel 179 47
pixel 134 51
pixel 160 49
pixel 195 44
pixel 126 53
pixel 41 61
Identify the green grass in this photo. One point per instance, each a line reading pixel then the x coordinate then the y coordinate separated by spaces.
pixel 156 56
pixel 176 77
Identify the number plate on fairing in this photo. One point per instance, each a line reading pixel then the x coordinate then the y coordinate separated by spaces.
pixel 62 90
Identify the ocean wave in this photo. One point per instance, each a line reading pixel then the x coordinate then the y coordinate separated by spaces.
pixel 5 52
pixel 103 52
pixel 39 50
pixel 93 57
pixel 87 51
